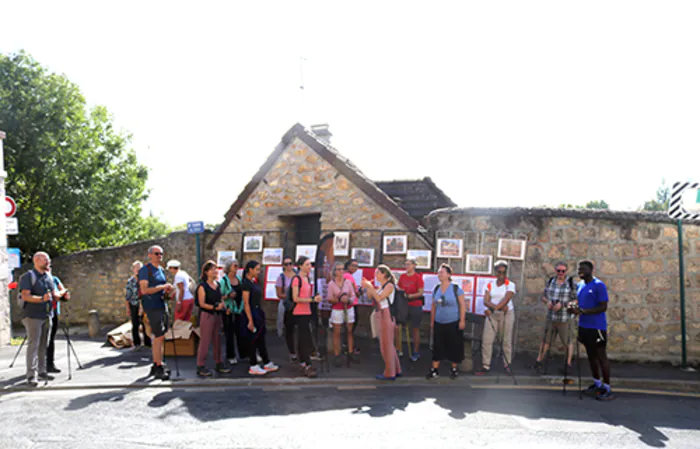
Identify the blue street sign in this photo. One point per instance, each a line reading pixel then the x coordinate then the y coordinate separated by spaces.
pixel 13 258
pixel 195 227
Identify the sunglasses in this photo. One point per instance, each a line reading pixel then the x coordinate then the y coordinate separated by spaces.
pixel 158 254
pixel 286 264
pixel 500 272
pixel 561 271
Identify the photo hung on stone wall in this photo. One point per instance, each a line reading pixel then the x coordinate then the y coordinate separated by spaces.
pixel 253 244
pixel 395 244
pixel 308 251
pixel 511 249
pixel 272 256
pixel 223 257
pixel 364 256
pixel 423 258
pixel 341 243
pixel 450 248
pixel 479 263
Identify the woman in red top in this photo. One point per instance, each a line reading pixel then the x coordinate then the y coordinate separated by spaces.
pixel 302 294
pixel 341 293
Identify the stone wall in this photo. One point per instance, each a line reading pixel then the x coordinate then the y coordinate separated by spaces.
pixel 636 255
pixel 5 327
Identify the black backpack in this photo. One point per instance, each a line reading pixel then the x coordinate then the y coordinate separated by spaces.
pixel 399 308
pixel 569 279
pixel 289 303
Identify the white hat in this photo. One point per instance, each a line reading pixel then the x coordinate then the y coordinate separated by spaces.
pixel 173 264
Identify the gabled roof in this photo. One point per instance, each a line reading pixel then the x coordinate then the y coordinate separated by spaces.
pixel 335 159
pixel 417 197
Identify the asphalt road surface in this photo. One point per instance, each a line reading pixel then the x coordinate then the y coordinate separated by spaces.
pixel 322 417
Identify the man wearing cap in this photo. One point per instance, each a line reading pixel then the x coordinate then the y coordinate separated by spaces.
pixel 185 300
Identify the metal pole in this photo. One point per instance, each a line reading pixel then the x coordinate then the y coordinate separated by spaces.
pixel 681 273
pixel 199 253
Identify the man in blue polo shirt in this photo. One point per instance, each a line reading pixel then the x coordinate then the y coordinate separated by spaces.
pixel 155 291
pixel 592 331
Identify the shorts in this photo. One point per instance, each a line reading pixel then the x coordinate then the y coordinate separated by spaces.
pixel 158 319
pixel 563 330
pixel 448 342
pixel 415 316
pixel 592 338
pixel 338 316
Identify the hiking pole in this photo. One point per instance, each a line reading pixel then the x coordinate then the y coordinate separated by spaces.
pixel 503 352
pixel 172 329
pixel 578 364
pixel 314 343
pixel 347 335
pixel 568 353
pixel 18 351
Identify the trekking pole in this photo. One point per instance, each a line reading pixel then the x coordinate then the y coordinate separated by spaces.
pixel 566 360
pixel 177 367
pixel 578 365
pixel 18 351
pixel 408 339
pixel 503 352
pixel 314 343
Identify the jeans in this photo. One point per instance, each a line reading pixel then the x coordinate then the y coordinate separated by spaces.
pixel 37 339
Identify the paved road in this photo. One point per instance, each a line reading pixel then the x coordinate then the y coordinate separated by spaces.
pixel 322 417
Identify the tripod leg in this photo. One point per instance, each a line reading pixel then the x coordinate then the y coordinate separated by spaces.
pixel 18 351
pixel 177 366
pixel 70 344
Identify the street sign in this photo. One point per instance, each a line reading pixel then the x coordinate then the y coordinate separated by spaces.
pixel 195 227
pixel 684 203
pixel 13 258
pixel 10 207
pixel 11 227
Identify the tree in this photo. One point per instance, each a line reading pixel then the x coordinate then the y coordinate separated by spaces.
pixel 663 194
pixel 76 182
pixel 598 204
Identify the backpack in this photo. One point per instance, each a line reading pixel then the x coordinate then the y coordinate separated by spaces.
pixel 455 289
pixel 150 274
pixel 289 303
pixel 30 273
pixel 399 307
pixel 569 279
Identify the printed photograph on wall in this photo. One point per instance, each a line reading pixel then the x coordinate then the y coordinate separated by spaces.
pixel 511 249
pixel 395 244
pixel 479 263
pixel 341 243
pixel 308 251
pixel 253 244
pixel 223 257
pixel 450 248
pixel 422 257
pixel 364 256
pixel 272 256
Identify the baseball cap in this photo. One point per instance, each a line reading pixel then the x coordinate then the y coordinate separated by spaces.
pixel 173 264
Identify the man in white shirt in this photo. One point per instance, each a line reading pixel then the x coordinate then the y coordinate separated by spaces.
pixel 500 317
pixel 185 300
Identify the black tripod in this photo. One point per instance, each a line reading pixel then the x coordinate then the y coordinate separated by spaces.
pixel 69 348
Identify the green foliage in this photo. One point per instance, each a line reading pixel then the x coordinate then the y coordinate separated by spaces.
pixel 76 182
pixel 598 204
pixel 660 204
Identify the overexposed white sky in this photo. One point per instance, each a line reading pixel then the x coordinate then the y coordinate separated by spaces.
pixel 502 103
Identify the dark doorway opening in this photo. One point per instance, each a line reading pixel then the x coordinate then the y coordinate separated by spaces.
pixel 307 229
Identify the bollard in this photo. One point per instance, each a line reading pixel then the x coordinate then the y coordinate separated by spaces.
pixel 93 324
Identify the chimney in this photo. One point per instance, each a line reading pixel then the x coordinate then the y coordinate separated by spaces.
pixel 322 132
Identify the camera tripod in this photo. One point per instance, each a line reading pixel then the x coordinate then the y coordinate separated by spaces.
pixel 69 349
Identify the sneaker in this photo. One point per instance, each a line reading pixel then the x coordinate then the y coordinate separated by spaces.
pixel 338 361
pixel 356 351
pixel 162 373
pixel 482 371
pixel 221 369
pixel 256 370
pixel 315 356
pixel 383 377
pixel 32 383
pixel 293 358
pixel 45 376
pixel 310 372
pixel 432 374
pixel 233 361
pixel 454 373
pixel 415 356
pixel 605 395
pixel 202 371
pixel 593 391
pixel 270 367
pixel 53 369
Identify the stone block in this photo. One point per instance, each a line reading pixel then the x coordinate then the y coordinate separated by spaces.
pixel 637 314
pixel 557 235
pixel 660 314
pixel 608 267
pixel 571 235
pixel 693 264
pixel 557 252
pixel 630 266
pixel 608 234
pixel 631 298
pixel 660 283
pixel 578 249
pixel 652 266
pixel 656 298
pixel 590 233
pixel 624 250
pixel 599 250
pixel 644 250
pixel 670 231
pixel 562 222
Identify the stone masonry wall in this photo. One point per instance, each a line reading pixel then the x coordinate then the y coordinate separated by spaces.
pixel 635 254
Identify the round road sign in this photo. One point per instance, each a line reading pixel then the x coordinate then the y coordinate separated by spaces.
pixel 10 207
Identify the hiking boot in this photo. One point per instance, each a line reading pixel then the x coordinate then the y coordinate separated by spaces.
pixel 454 373
pixel 52 369
pixel 593 391
pixel 337 361
pixel 162 373
pixel 202 371
pixel 221 369
pixel 605 395
pixel 270 367
pixel 45 376
pixel 484 370
pixel 256 370
pixel 310 372
pixel 154 369
pixel 432 374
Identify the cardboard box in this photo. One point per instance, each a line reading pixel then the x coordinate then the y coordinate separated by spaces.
pixel 184 347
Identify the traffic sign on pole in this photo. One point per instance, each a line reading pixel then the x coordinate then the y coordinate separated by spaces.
pixel 195 227
pixel 11 226
pixel 10 207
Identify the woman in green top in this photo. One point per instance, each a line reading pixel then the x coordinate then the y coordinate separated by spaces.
pixel 231 292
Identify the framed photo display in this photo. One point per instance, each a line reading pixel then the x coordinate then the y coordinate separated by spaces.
pixel 479 263
pixel 512 249
pixel 341 243
pixel 223 257
pixel 253 244
pixel 450 248
pixel 272 256
pixel 422 257
pixel 308 251
pixel 395 244
pixel 364 256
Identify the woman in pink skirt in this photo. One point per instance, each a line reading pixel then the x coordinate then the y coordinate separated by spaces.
pixel 382 298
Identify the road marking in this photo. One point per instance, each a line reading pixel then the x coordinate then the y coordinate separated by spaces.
pixel 357 387
pixel 283 388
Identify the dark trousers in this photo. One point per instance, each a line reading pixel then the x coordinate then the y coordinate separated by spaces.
pixel 230 334
pixel 258 344
pixel 303 323
pixel 241 343
pixel 135 324
pixel 289 326
pixel 51 348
